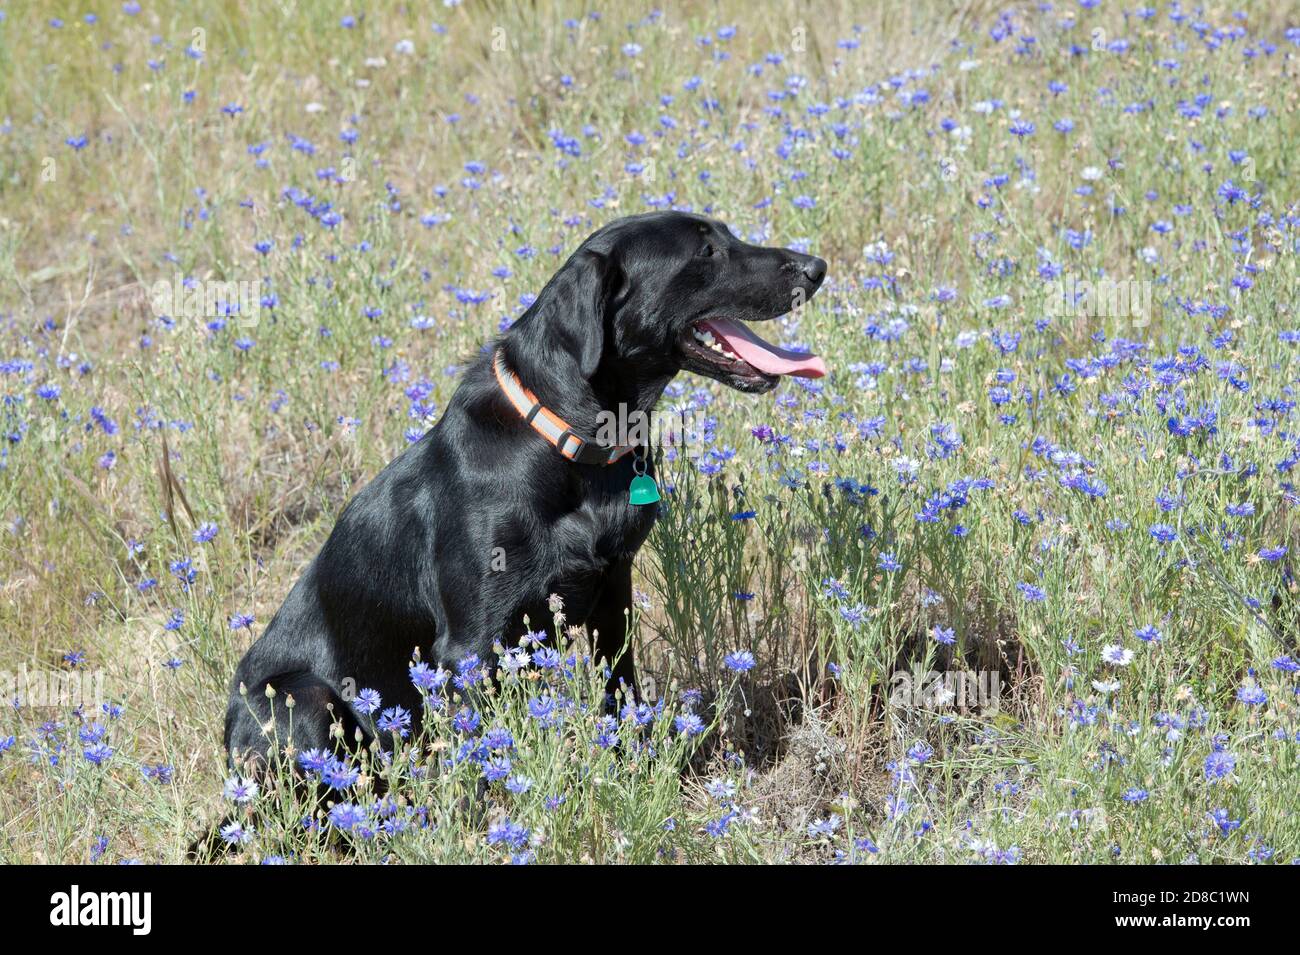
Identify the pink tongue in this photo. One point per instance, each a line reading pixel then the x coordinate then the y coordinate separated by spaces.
pixel 766 358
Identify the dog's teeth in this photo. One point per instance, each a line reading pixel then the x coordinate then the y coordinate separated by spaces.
pixel 705 337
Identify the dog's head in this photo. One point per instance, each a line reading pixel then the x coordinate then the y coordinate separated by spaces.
pixel 650 295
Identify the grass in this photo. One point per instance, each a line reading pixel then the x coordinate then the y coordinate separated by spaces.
pixel 1093 509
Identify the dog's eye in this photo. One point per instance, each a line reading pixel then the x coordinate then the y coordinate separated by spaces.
pixel 706 250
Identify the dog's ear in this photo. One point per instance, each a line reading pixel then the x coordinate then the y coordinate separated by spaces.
pixel 567 325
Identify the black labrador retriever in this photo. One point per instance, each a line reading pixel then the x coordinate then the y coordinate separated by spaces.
pixel 510 497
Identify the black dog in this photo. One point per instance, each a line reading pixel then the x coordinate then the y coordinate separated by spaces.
pixel 509 498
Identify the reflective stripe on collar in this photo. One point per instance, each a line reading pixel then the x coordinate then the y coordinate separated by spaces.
pixel 550 425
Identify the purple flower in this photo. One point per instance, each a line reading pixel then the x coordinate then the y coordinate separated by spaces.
pixel 689 724
pixel 1219 764
pixel 239 790
pixel 1148 634
pixel 346 816
pixel 395 720
pixel 1163 533
pixel 1116 655
pixel 1251 695
pixel 425 678
pixel 739 661
pixel 236 835
pixel 503 831
pixel 1031 593
pixel 1225 822
pixel 1231 192
pixel 313 760
pixel 98 753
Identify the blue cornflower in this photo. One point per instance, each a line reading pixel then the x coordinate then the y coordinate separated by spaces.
pixel 824 828
pixel 689 724
pixel 347 816
pixel 1031 593
pixel 739 661
pixel 240 790
pixel 514 835
pixel 98 753
pixel 158 772
pixel 607 732
pixel 1163 533
pixel 423 677
pixel 339 775
pixel 235 834
pixel 543 709
pixel 466 721
pixel 834 589
pixel 497 768
pixel 1251 694
pixel 1148 634
pixel 1223 821
pixel 314 760
pixel 1219 764
pixel 719 827
pixel 395 720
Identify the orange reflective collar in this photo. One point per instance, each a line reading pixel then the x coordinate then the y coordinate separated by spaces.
pixel 550 425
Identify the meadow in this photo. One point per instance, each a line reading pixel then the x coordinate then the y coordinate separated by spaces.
pixel 1014 583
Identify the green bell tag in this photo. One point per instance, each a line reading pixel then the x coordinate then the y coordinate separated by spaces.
pixel 643 490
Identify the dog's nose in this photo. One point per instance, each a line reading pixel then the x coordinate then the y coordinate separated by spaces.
pixel 814 269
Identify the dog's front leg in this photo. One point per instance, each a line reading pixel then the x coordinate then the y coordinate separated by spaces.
pixel 608 625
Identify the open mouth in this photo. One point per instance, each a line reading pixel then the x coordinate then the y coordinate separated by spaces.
pixel 731 353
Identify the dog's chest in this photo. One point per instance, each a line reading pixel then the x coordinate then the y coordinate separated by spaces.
pixel 601 533
pixel 622 527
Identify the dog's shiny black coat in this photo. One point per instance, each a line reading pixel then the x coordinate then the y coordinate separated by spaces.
pixel 410 562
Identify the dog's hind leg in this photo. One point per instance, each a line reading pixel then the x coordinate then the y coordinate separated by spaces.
pixel 608 621
pixel 302 711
